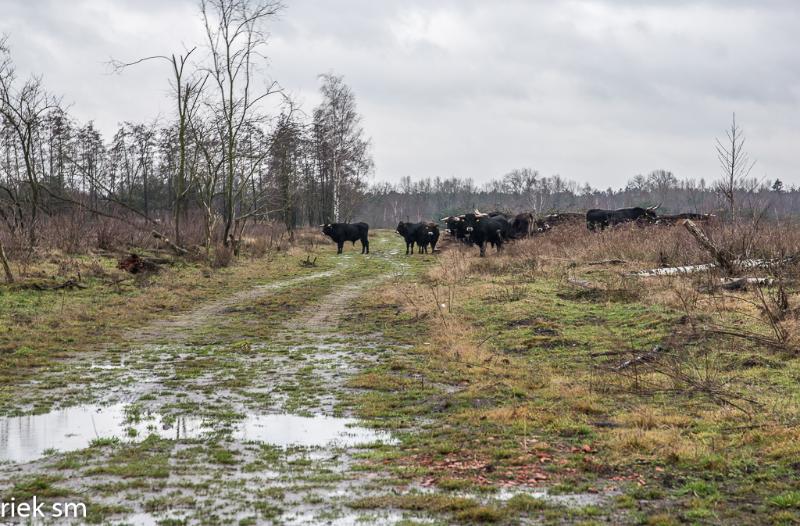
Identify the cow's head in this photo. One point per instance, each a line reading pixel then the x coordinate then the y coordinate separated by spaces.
pixel 327 229
pixel 472 219
pixel 451 223
pixel 649 214
pixel 401 229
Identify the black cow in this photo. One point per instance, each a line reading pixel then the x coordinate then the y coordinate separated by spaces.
pixel 456 227
pixel 423 234
pixel 675 218
pixel 341 232
pixel 431 237
pixel 605 218
pixel 495 214
pixel 560 218
pixel 483 229
pixel 523 225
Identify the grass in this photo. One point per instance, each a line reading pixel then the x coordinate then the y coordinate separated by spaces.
pixel 496 373
pixel 513 366
pixel 41 329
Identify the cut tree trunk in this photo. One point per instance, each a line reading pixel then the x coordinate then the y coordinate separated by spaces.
pixel 724 258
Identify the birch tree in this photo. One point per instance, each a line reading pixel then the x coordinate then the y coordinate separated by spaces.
pixel 344 158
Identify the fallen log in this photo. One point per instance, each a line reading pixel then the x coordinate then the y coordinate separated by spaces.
pixel 582 283
pixel 724 259
pixel 607 262
pixel 740 264
pixel 178 249
pixel 742 283
pixel 69 284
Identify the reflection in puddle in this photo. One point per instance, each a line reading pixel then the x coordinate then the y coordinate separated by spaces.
pixel 27 438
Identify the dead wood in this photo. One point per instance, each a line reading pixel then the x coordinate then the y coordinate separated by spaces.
pixel 69 284
pixel 6 267
pixel 723 258
pixel 608 262
pixel 309 262
pixel 178 249
pixel 742 283
pixel 582 283
pixel 648 357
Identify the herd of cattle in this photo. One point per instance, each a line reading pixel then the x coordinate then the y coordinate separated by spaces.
pixel 496 228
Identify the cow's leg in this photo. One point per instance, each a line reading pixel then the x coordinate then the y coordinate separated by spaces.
pixel 365 246
pixel 339 247
pixel 483 248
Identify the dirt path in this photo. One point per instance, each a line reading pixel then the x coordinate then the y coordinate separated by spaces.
pixel 249 433
pixel 179 327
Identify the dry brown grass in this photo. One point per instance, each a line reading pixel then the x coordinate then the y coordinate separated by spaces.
pixel 667 245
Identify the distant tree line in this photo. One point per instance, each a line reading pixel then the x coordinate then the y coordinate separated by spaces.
pixel 526 190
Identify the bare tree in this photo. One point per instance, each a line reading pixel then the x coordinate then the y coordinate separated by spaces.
pixel 23 109
pixel 206 172
pixel 236 37
pixel 187 88
pixel 735 163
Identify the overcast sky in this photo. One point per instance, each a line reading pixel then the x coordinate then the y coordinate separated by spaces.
pixel 596 91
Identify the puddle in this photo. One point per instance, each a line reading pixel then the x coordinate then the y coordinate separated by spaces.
pixel 570 500
pixel 27 438
pixel 308 431
pixel 109 366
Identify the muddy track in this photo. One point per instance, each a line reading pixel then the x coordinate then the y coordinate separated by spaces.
pixel 257 426
pixel 180 326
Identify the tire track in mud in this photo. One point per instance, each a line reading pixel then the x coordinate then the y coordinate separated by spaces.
pixel 177 327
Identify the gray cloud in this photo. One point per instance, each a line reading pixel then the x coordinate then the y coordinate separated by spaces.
pixel 594 90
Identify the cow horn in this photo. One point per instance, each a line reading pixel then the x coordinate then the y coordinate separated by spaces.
pixel 321 225
pixel 655 207
pixel 445 218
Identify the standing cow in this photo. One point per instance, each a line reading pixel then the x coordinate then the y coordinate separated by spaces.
pixel 523 225
pixel 483 229
pixel 431 237
pixel 423 234
pixel 341 232
pixel 604 218
pixel 549 221
pixel 455 226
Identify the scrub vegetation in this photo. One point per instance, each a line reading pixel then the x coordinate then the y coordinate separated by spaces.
pixel 548 383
